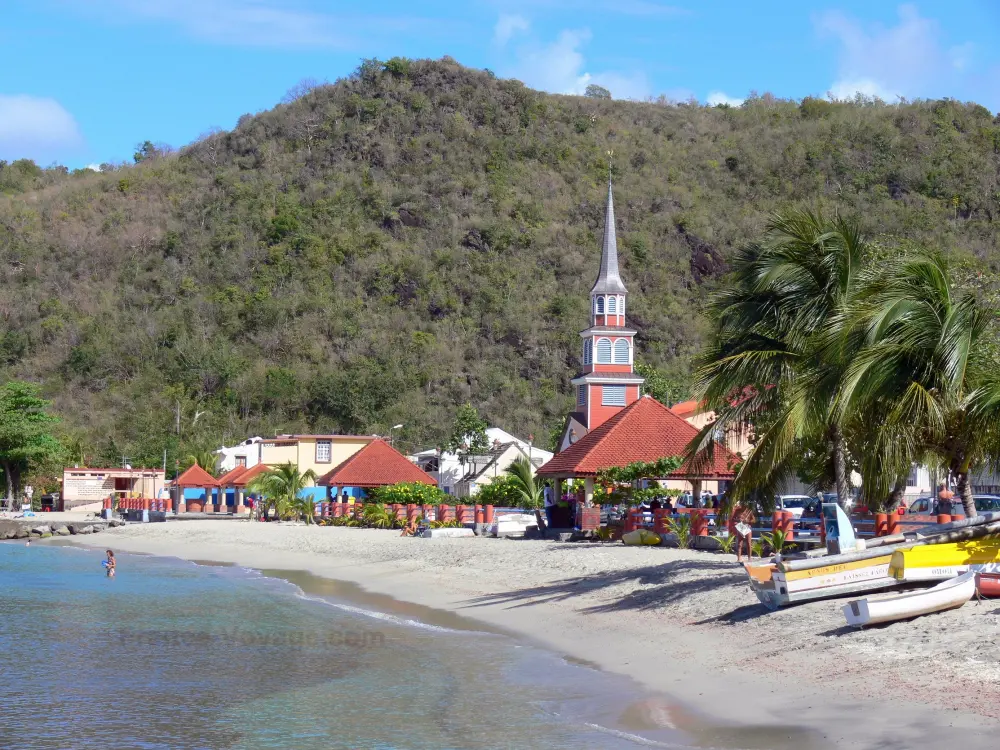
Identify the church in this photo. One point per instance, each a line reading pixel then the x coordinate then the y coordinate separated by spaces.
pixel 607 382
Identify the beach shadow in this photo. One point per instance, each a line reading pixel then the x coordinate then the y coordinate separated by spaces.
pixel 837 632
pixel 740 614
pixel 667 581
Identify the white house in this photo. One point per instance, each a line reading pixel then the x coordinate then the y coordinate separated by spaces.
pixel 464 477
pixel 245 454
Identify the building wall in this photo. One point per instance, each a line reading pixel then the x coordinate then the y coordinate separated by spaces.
pixel 301 451
pixel 599 413
pixel 227 455
pixel 86 486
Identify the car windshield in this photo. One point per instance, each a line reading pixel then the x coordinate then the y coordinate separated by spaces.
pixel 987 503
pixel 795 502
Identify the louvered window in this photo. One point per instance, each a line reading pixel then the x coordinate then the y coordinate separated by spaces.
pixel 581 395
pixel 613 395
pixel 599 305
pixel 612 305
pixel 621 351
pixel 604 351
pixel 588 351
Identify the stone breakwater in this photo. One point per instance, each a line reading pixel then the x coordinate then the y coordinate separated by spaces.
pixel 35 528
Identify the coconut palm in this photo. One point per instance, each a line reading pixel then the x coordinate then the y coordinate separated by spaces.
pixel 772 366
pixel 206 459
pixel 529 490
pixel 281 488
pixel 924 367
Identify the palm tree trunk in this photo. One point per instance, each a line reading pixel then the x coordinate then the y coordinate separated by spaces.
pixel 8 473
pixel 964 488
pixel 840 470
pixel 896 496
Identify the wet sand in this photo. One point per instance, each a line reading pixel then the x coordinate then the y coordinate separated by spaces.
pixel 682 623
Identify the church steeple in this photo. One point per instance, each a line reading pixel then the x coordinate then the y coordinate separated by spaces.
pixel 608 280
pixel 607 383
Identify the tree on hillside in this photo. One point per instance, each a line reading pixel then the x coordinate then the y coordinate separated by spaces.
pixel 468 432
pixel 926 369
pixel 770 367
pixel 25 440
pixel 281 489
pixel 596 92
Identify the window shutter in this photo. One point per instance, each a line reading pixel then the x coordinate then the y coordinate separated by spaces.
pixel 621 352
pixel 612 305
pixel 604 351
pixel 613 395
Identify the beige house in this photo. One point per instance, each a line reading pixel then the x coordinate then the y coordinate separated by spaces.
pixel 482 470
pixel 320 453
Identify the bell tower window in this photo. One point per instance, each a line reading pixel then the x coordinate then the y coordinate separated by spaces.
pixel 588 351
pixel 612 305
pixel 604 351
pixel 599 305
pixel 621 352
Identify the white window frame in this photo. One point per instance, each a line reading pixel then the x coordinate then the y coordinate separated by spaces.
pixel 612 305
pixel 616 350
pixel 599 305
pixel 621 305
pixel 581 395
pixel 588 351
pixel 619 392
pixel 597 352
pixel 328 444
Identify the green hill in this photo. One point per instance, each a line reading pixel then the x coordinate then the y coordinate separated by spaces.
pixel 420 235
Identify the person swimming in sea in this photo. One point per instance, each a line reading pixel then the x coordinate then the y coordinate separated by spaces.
pixel 109 564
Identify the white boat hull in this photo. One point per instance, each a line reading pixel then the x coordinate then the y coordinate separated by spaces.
pixel 947 595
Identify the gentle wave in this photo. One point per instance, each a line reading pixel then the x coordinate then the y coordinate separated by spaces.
pixel 383 616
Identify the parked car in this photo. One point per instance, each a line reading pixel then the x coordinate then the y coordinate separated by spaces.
pixel 797 504
pixel 926 506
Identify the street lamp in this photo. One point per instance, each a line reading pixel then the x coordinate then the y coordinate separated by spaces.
pixel 394 427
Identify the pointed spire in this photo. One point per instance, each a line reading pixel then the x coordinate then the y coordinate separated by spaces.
pixel 608 280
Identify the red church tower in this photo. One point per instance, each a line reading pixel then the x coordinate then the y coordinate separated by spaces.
pixel 607 383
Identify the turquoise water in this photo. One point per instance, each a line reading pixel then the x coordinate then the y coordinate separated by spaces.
pixel 174 655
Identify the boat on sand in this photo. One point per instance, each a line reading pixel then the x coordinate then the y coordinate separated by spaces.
pixel 947 595
pixel 938 562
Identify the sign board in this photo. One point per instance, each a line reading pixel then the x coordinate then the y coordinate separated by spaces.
pixel 839 530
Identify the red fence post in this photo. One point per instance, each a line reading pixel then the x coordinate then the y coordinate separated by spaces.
pixel 788 524
pixel 479 514
pixel 881 524
pixel 488 514
pixel 892 523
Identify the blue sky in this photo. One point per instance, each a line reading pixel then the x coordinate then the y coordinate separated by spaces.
pixel 84 80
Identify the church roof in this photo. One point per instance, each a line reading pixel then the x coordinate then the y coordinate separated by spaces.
pixel 378 464
pixel 608 280
pixel 646 430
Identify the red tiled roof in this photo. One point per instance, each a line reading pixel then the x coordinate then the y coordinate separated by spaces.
pixel 646 430
pixel 376 465
pixel 195 476
pixel 230 476
pixel 249 475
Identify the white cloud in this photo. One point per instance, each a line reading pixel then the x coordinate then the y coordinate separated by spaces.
pixel 507 26
pixel 93 167
pixel 720 97
pixel 36 127
pixel 904 60
pixel 561 67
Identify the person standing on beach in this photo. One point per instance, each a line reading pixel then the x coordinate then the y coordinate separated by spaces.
pixel 110 564
pixel 743 519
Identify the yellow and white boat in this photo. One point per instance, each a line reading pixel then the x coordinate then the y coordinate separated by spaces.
pixel 776 587
pixel 937 562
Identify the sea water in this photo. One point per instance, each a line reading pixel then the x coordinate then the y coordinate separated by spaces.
pixel 176 655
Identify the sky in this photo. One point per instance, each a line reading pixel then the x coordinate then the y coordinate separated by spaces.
pixel 84 81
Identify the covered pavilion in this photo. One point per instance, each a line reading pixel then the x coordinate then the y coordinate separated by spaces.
pixel 378 464
pixel 227 482
pixel 195 477
pixel 647 431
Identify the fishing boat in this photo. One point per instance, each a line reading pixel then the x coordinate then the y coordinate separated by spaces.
pixel 946 595
pixel 834 579
pixel 938 562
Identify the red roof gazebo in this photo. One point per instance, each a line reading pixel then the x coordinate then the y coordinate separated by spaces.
pixel 195 477
pixel 378 464
pixel 646 430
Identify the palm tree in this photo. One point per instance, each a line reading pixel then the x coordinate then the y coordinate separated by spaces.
pixel 206 459
pixel 925 369
pixel 529 491
pixel 771 367
pixel 281 488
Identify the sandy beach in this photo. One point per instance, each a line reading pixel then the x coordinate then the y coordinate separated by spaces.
pixel 682 623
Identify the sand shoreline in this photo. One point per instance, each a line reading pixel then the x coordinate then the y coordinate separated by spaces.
pixel 681 623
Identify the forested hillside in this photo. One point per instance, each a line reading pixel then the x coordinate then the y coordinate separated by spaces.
pixel 420 235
